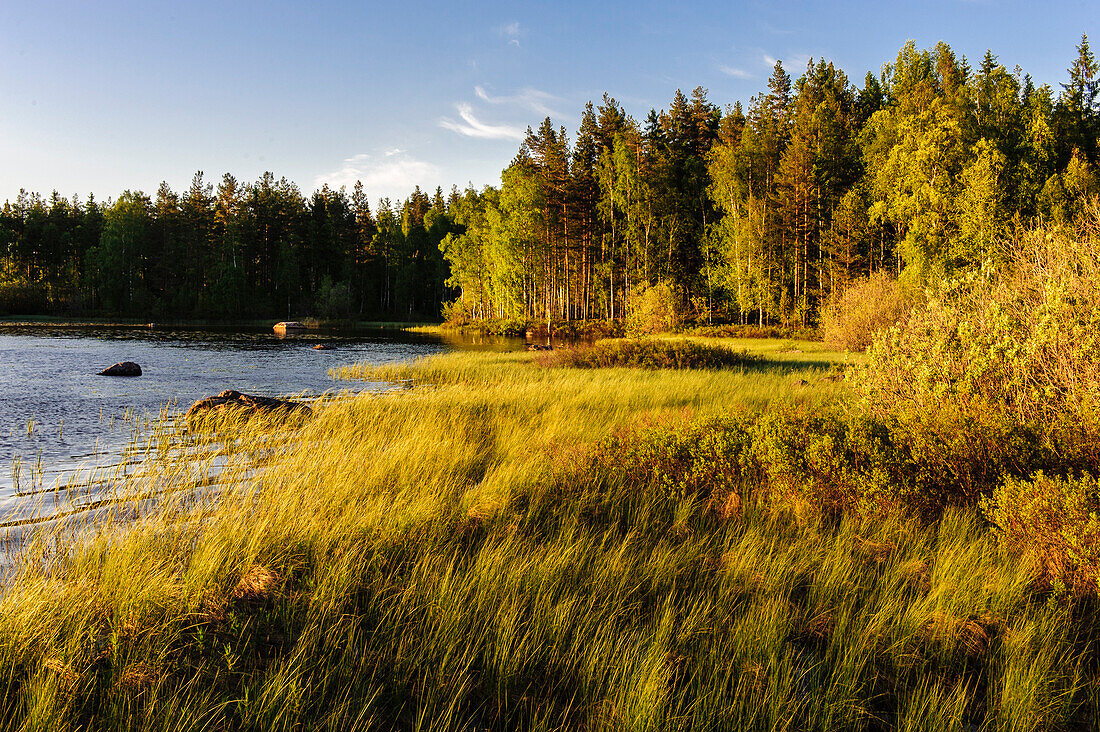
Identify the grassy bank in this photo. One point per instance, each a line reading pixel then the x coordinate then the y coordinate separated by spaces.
pixel 507 546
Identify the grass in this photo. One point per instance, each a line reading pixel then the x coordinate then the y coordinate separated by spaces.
pixel 461 554
pixel 647 354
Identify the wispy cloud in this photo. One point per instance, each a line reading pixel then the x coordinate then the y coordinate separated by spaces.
pixel 792 62
pixel 471 126
pixel 512 32
pixel 395 173
pixel 528 98
pixel 735 72
pixel 796 62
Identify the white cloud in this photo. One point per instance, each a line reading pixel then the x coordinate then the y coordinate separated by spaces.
pixel 394 175
pixel 529 98
pixel 735 72
pixel 473 127
pixel 768 60
pixel 512 31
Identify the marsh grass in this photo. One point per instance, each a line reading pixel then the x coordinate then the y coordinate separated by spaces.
pixel 646 353
pixel 457 555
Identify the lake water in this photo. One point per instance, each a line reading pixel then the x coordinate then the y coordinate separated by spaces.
pixel 57 416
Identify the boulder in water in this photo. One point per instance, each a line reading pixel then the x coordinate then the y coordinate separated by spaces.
pixel 122 368
pixel 288 326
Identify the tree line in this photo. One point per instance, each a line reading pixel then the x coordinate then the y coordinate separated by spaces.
pixel 234 251
pixel 755 213
pixel 761 214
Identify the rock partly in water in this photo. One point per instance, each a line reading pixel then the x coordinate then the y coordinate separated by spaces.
pixel 123 368
pixel 539 347
pixel 230 399
pixel 289 326
pixel 321 347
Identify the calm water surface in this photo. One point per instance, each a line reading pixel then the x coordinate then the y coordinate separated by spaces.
pixel 56 415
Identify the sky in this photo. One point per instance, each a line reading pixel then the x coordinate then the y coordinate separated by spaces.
pixel 108 96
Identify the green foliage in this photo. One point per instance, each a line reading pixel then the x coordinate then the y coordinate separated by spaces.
pixel 652 310
pixel 1053 521
pixel 647 354
pixel 334 300
pixel 1022 339
pixel 832 462
pixel 507 327
pixel 242 250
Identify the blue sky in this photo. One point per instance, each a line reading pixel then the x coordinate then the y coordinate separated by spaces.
pixel 101 97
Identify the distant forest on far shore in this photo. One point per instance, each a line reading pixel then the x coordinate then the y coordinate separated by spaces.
pixel 759 214
pixel 234 251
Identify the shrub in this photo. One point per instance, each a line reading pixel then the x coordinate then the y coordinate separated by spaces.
pixel 828 463
pixel 334 299
pixel 457 313
pixel 704 459
pixel 835 461
pixel 1056 522
pixel 647 354
pixel 652 309
pixel 1023 338
pixel 866 307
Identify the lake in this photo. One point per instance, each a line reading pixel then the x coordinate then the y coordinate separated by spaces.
pixel 58 417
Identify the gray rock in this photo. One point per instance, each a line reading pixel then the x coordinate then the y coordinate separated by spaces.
pixel 123 368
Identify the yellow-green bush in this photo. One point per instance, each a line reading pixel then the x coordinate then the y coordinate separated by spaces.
pixel 1056 522
pixel 652 309
pixel 1023 338
pixel 865 307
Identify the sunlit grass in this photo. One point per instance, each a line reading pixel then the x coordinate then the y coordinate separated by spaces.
pixel 448 556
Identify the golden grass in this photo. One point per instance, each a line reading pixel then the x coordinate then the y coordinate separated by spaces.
pixel 441 557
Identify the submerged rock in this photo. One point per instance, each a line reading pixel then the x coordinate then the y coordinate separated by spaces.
pixel 122 368
pixel 230 399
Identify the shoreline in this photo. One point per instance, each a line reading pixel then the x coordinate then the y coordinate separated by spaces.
pixel 311 324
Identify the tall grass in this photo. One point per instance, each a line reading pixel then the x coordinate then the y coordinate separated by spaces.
pixel 462 555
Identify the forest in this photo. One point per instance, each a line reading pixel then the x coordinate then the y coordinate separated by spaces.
pixel 237 251
pixel 756 213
